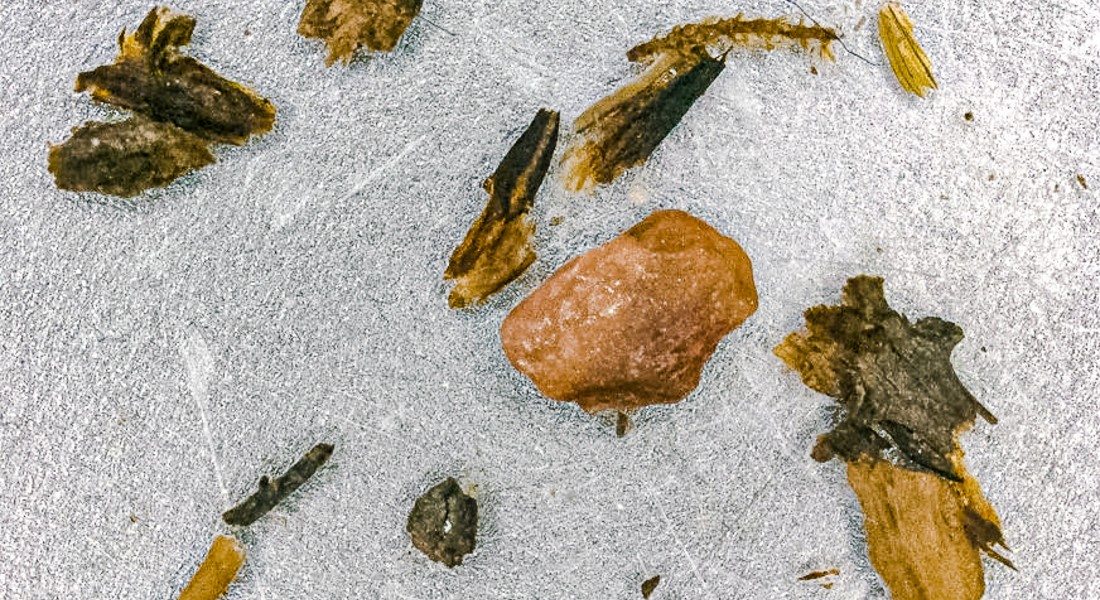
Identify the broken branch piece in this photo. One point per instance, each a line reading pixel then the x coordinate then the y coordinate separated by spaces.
pixel 497 248
pixel 623 129
pixel 925 516
pixel 217 570
pixel 907 59
pixel 274 492
pixel 345 25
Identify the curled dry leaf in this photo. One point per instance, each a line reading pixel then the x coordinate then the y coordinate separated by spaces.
pixel 925 516
pixel 497 248
pixel 633 322
pixel 181 107
pixel 270 493
pixel 443 523
pixel 907 59
pixel 345 25
pixel 217 570
pixel 623 129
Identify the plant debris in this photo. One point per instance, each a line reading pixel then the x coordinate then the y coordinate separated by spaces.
pixel 497 248
pixel 649 585
pixel 622 423
pixel 904 405
pixel 816 575
pixel 271 493
pixel 124 158
pixel 345 25
pixel 217 570
pixel 181 107
pixel 152 78
pixel 443 523
pixel 907 59
pixel 633 322
pixel 623 129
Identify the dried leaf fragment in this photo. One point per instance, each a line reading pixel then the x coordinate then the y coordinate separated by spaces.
pixel 151 77
pixel 270 493
pixel 180 106
pixel 623 129
pixel 125 158
pixel 649 585
pixel 907 59
pixel 921 531
pixel 443 523
pixel 217 570
pixel 345 25
pixel 497 248
pixel 925 516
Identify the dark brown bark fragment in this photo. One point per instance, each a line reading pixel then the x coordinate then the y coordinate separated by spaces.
pixel 180 106
pixel 925 516
pixel 273 492
pixel 125 158
pixel 893 377
pixel 497 248
pixel 443 523
pixel 649 585
pixel 622 130
pixel 345 25
pixel 151 77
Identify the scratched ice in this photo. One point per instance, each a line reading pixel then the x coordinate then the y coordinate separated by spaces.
pixel 158 356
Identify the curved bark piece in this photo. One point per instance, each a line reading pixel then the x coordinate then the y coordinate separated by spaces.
pixel 345 25
pixel 217 570
pixel 497 248
pixel 274 492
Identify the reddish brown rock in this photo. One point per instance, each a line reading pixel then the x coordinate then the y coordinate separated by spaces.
pixel 633 322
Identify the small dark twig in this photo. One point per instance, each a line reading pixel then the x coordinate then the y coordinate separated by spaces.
pixel 274 492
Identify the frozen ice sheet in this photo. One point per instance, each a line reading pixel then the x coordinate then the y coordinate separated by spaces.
pixel 157 356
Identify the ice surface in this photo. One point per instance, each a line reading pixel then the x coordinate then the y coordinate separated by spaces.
pixel 158 356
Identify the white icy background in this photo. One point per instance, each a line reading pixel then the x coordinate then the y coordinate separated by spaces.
pixel 158 356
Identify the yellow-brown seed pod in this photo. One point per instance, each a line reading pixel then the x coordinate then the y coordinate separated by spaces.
pixel 907 59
